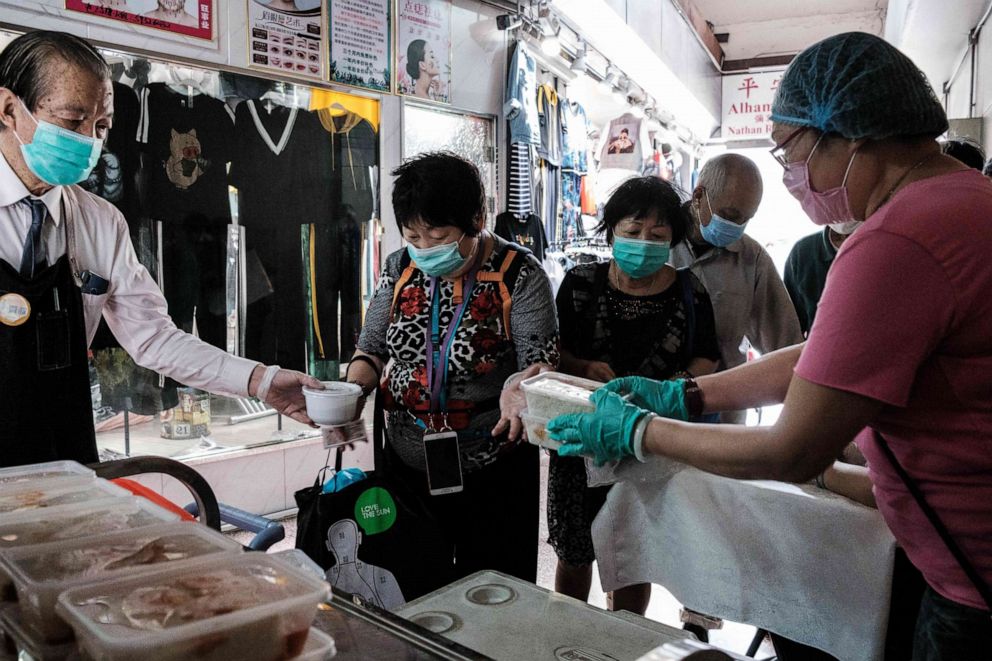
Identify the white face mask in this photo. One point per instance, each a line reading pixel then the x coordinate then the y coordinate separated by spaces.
pixel 846 228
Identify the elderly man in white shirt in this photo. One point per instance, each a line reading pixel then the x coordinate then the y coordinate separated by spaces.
pixel 66 259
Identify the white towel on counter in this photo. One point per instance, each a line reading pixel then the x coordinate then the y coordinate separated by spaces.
pixel 802 562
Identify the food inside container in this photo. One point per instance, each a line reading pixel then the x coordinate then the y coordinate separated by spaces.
pixel 249 606
pixel 16 475
pixel 552 394
pixel 39 573
pixel 56 492
pixel 334 405
pixel 537 431
pixel 83 520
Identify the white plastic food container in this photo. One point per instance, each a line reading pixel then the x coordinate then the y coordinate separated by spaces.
pixel 16 475
pixel 334 405
pixel 40 573
pixel 56 492
pixel 552 394
pixel 82 520
pixel 248 606
pixel 537 431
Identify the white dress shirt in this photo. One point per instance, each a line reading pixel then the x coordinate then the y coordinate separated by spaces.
pixel 134 307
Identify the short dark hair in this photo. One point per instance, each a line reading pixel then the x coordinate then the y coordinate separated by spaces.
pixel 966 151
pixel 414 56
pixel 641 197
pixel 25 62
pixel 438 189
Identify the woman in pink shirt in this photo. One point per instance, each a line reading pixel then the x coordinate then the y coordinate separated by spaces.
pixel 901 347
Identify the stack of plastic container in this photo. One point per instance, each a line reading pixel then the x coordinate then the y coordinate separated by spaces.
pixel 552 394
pixel 88 569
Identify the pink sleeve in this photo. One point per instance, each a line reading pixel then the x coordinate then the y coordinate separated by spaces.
pixel 885 308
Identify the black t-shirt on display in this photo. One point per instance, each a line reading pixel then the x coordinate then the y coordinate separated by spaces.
pixel 113 178
pixel 528 233
pixel 282 169
pixel 188 141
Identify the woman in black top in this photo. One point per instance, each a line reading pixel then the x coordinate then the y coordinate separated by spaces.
pixel 633 315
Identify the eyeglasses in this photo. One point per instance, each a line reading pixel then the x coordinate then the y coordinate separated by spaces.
pixel 778 151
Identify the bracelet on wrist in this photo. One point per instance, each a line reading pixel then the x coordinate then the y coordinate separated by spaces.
pixel 693 397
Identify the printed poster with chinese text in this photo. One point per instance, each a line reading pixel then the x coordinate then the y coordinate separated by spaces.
pixel 192 18
pixel 285 36
pixel 423 53
pixel 361 42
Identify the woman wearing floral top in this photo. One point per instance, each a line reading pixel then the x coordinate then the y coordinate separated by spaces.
pixel 506 325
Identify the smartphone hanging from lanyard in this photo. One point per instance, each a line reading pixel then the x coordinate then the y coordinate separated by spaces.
pixel 442 453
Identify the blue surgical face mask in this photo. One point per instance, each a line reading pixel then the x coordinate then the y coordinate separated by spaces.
pixel 58 156
pixel 639 258
pixel 720 232
pixel 439 260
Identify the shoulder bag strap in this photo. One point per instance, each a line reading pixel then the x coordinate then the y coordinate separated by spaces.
pixel 980 585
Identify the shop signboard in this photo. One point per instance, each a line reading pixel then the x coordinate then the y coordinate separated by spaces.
pixel 423 49
pixel 191 18
pixel 286 36
pixel 361 43
pixel 747 105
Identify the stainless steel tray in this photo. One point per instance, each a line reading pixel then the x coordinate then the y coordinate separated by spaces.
pixel 506 618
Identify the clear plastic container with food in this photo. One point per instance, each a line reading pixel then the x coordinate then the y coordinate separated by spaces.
pixel 56 492
pixel 537 431
pixel 34 472
pixel 248 606
pixel 83 520
pixel 552 394
pixel 39 573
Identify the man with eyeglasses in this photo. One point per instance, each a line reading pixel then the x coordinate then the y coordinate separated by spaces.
pixel 750 302
pixel 66 259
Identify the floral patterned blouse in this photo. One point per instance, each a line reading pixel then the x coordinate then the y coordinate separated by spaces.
pixel 481 356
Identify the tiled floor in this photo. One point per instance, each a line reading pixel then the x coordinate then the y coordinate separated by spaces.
pixel 664 608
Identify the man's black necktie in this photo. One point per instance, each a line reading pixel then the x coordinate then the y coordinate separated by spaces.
pixel 33 254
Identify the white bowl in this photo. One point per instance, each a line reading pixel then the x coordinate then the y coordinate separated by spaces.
pixel 333 406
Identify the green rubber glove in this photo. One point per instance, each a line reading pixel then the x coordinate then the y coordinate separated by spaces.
pixel 606 435
pixel 666 398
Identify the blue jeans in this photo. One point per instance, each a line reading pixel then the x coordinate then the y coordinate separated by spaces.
pixel 949 631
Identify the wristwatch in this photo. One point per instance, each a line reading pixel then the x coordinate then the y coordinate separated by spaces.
pixel 693 397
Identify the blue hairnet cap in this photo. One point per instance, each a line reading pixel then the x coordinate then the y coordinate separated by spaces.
pixel 860 86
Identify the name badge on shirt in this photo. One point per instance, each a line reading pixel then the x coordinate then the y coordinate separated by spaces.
pixel 14 309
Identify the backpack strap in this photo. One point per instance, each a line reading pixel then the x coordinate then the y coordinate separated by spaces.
pixel 409 268
pixel 506 278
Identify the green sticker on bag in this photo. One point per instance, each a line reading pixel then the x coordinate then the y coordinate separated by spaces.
pixel 375 511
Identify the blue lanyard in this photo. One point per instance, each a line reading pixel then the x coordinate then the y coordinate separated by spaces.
pixel 438 348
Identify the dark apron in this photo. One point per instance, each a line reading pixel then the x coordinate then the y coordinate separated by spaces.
pixel 46 412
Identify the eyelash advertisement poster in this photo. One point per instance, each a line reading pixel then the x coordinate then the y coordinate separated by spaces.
pixel 286 36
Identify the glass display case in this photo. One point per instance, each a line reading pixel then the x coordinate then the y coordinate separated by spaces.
pixel 252 203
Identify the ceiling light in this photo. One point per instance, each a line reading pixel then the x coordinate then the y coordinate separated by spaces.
pixel 579 63
pixel 508 21
pixel 610 78
pixel 620 90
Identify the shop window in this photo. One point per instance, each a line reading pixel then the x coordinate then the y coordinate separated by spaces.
pixel 431 128
pixel 251 202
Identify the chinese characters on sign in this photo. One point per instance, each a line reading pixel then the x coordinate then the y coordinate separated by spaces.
pixel 747 105
pixel 360 43
pixel 192 18
pixel 285 39
pixel 423 53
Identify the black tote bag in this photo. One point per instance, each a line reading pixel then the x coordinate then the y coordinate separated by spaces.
pixel 374 538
